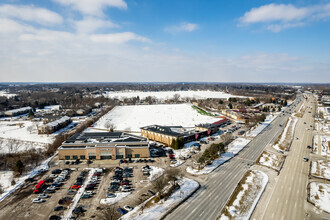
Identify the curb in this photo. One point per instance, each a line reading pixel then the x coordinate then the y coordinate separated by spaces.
pixel 182 201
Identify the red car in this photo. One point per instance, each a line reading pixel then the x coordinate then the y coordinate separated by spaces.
pixel 124 182
pixel 75 187
pixel 171 156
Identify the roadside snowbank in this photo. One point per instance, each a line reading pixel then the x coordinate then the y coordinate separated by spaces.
pixel 158 210
pixel 271 160
pixel 248 196
pixel 262 126
pixel 43 166
pixel 155 173
pixel 233 148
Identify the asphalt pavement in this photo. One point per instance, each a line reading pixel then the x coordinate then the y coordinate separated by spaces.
pixel 208 202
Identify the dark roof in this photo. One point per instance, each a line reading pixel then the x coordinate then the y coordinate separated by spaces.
pixel 122 137
pixel 221 121
pixel 164 130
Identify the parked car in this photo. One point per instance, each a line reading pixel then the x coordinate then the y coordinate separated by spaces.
pixel 111 195
pixel 306 159
pixel 309 147
pixel 56 171
pixel 59 208
pixel 75 187
pixel 78 210
pixel 125 188
pixel 43 196
pixel 49 191
pixel 52 176
pixel 128 208
pixel 55 217
pixel 38 200
pixel 86 196
pixel 122 211
pixel 71 192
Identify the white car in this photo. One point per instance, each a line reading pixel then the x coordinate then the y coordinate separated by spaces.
pixel 43 196
pixel 89 192
pixel 128 208
pixel 52 176
pixel 38 200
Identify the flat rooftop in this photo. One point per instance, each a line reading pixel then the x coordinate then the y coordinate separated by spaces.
pixel 104 137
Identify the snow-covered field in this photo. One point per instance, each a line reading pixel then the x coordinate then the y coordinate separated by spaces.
pixel 6 94
pixel 287 134
pixel 247 198
pixel 158 210
pixel 321 169
pixel 271 160
pixel 131 118
pixel 320 195
pixel 163 95
pixel 15 136
pixel 233 149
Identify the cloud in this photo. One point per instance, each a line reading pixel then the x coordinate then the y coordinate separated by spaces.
pixel 46 35
pixel 282 16
pixel 182 27
pixel 92 7
pixel 118 38
pixel 90 24
pixel 9 26
pixel 30 13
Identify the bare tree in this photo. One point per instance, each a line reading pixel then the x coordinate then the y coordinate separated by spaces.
pixel 110 126
pixel 226 138
pixel 173 175
pixel 176 97
pixel 109 213
pixel 159 184
pixel 30 129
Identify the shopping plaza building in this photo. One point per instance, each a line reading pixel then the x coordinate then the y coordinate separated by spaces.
pixel 104 146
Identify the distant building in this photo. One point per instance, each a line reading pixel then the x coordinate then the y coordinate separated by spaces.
pixel 16 112
pixel 53 126
pixel 167 134
pixel 104 146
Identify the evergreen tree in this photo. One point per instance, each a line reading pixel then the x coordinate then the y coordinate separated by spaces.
pixel 19 167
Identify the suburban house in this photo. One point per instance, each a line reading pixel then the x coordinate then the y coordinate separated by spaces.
pixel 53 126
pixel 16 112
pixel 104 146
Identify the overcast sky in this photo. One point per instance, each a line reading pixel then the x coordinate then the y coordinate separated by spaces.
pixel 164 41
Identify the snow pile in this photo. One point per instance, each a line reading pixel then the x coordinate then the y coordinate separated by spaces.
pixel 291 124
pixel 15 135
pixel 271 160
pixel 131 118
pixel 155 173
pixel 119 196
pixel 262 126
pixel 248 196
pixel 163 95
pixel 78 195
pixel 320 195
pixel 158 210
pixel 233 149
pixel 43 166
pixel 5 179
pixel 321 169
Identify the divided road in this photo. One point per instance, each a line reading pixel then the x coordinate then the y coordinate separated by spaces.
pixel 210 199
pixel 289 195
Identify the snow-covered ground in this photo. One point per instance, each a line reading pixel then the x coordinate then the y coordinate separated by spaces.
pixel 15 136
pixel 325 150
pixel 287 133
pixel 6 94
pixel 119 196
pixel 271 160
pixel 19 181
pixel 233 148
pixel 320 195
pixel 131 118
pixel 262 126
pixel 163 95
pixel 321 169
pixel 158 210
pixel 248 197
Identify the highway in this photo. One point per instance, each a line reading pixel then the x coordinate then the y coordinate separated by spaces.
pixel 289 195
pixel 208 202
